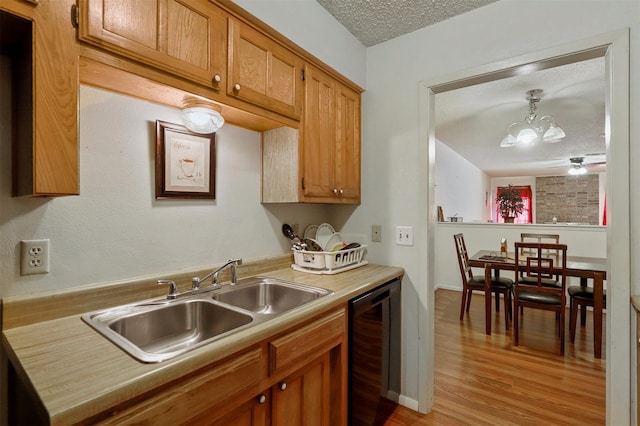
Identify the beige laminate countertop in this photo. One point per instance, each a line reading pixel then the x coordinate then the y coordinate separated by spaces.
pixel 77 373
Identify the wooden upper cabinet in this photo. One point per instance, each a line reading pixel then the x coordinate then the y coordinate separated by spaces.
pixel 40 46
pixel 347 148
pixel 331 140
pixel 186 38
pixel 263 72
pixel 321 162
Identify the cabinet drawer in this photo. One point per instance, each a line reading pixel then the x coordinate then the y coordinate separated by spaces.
pixel 312 339
pixel 195 394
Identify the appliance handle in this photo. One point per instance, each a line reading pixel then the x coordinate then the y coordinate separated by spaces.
pixel 380 297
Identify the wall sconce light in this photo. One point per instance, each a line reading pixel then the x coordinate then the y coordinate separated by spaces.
pixel 201 116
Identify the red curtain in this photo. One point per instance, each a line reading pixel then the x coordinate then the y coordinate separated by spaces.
pixel 527 214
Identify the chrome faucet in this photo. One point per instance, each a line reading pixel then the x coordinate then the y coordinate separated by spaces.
pixel 195 282
pixel 173 289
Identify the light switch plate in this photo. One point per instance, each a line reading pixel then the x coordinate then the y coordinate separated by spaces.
pixel 404 235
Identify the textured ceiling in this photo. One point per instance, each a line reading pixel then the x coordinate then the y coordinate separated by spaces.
pixel 375 21
pixel 473 120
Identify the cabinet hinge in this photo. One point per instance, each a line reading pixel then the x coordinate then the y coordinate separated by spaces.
pixel 75 16
pixel 302 76
pixel 304 186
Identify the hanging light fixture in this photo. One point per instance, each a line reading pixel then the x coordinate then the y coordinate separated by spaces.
pixel 201 116
pixel 533 129
pixel 577 167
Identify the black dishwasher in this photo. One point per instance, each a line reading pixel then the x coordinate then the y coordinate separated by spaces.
pixel 374 354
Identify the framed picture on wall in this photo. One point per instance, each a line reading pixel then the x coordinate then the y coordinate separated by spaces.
pixel 185 163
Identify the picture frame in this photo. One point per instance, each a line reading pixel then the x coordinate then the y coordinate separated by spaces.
pixel 185 163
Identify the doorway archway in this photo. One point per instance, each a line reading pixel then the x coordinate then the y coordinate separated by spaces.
pixel 614 48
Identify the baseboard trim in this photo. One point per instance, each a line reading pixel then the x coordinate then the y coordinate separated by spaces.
pixel 410 403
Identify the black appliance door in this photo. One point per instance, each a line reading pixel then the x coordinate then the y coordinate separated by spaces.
pixel 374 354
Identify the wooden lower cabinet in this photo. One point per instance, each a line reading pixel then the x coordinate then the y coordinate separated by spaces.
pixel 308 378
pixel 190 399
pixel 303 398
pixel 255 412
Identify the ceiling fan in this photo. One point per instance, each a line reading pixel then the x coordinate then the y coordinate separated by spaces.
pixel 579 165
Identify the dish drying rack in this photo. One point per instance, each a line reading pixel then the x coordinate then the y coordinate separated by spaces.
pixel 329 262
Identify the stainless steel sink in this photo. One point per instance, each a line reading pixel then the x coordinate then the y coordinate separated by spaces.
pixel 268 296
pixel 161 329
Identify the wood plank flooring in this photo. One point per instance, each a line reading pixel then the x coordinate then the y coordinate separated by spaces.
pixel 485 380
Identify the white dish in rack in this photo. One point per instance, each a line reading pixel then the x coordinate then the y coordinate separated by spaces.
pixel 324 232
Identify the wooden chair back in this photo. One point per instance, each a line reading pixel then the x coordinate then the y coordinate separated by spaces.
pixel 539 238
pixel 536 263
pixel 463 258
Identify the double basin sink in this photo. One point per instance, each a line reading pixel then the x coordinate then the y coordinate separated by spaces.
pixel 161 329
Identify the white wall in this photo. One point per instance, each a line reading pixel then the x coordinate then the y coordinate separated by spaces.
pixel 116 229
pixel 462 189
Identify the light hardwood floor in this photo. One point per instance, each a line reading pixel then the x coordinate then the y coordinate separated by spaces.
pixel 485 380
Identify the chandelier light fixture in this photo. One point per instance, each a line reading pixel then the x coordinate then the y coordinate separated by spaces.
pixel 533 129
pixel 201 116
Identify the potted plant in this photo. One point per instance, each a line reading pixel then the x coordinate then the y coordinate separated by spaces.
pixel 510 203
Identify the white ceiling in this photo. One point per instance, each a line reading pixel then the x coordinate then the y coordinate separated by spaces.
pixel 375 21
pixel 473 120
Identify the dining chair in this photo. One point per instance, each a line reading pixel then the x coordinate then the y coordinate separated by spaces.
pixel 581 296
pixel 535 269
pixel 471 283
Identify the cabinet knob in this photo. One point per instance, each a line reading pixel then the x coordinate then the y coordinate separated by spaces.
pixel 236 87
pixel 217 79
pixel 262 398
pixel 335 191
pixel 341 191
pixel 282 386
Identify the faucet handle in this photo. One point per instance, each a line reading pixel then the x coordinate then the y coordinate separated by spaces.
pixel 195 283
pixel 173 289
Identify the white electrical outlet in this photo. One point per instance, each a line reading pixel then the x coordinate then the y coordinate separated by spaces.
pixel 404 235
pixel 34 257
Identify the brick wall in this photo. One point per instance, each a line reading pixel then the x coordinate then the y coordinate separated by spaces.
pixel 568 198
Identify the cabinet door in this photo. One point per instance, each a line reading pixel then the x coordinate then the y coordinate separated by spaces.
pixel 40 46
pixel 304 397
pixel 347 152
pixel 331 139
pixel 186 38
pixel 255 412
pixel 318 135
pixel 196 399
pixel 263 72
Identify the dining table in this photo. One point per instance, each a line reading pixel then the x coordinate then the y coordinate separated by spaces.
pixel 585 268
